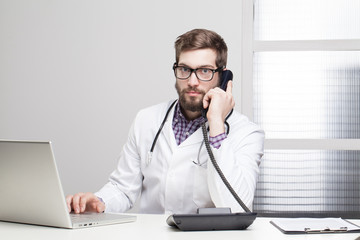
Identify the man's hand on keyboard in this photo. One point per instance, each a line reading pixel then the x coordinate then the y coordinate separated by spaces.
pixel 84 202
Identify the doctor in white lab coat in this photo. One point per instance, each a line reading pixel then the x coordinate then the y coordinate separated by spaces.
pixel 177 176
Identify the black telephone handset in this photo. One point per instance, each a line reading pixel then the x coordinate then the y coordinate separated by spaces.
pixel 226 76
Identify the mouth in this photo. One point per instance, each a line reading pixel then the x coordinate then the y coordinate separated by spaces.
pixel 193 93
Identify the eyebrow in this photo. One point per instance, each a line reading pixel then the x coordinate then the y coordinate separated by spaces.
pixel 201 66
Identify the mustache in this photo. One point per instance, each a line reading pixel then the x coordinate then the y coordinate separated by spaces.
pixel 192 89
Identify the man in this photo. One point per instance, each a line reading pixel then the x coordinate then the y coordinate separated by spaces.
pixel 176 176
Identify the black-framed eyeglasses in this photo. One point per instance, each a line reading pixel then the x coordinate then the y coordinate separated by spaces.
pixel 203 74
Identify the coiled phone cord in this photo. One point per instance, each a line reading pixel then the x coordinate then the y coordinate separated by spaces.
pixel 218 170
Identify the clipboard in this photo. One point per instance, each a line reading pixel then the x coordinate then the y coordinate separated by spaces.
pixel 314 225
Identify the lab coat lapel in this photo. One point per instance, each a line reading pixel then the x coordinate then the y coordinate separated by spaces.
pixel 168 131
pixel 194 138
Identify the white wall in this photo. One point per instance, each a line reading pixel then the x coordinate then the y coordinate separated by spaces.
pixel 76 72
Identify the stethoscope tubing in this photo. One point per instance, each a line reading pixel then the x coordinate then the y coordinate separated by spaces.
pixel 161 126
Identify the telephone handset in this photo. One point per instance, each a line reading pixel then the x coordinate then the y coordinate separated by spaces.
pixel 226 76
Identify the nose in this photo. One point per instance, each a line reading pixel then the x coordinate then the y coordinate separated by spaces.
pixel 193 80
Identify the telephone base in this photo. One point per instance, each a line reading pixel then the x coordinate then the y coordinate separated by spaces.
pixel 211 220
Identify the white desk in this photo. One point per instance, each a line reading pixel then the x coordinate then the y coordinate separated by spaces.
pixel 155 227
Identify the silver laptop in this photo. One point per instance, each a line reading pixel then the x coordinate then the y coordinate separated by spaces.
pixel 31 191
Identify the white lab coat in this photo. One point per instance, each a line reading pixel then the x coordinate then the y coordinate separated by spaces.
pixel 172 182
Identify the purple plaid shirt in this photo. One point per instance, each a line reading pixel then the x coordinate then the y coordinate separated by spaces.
pixel 183 128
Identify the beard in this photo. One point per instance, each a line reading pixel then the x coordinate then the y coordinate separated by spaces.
pixel 192 104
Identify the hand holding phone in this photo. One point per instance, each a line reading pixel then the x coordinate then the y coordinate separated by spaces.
pixel 219 103
pixel 226 76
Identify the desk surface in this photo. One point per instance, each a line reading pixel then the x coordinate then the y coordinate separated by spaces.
pixel 155 227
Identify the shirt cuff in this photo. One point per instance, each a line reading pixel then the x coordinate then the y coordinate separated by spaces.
pixel 217 140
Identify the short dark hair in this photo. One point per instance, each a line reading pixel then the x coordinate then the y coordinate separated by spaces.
pixel 201 39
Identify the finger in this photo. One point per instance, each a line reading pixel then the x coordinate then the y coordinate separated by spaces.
pixel 82 202
pixel 88 202
pixel 76 202
pixel 69 202
pixel 94 203
pixel 100 207
pixel 210 95
pixel 229 87
pixel 206 100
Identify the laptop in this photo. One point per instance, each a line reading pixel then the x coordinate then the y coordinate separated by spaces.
pixel 31 191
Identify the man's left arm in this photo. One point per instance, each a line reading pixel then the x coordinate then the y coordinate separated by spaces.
pixel 239 158
pixel 238 155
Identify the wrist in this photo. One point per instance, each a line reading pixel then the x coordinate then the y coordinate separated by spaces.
pixel 216 127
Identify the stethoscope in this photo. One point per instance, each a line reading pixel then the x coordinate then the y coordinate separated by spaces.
pixel 149 158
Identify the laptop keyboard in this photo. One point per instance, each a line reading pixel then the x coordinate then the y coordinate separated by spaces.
pixel 85 217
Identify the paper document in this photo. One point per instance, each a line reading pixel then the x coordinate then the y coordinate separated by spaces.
pixel 314 225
